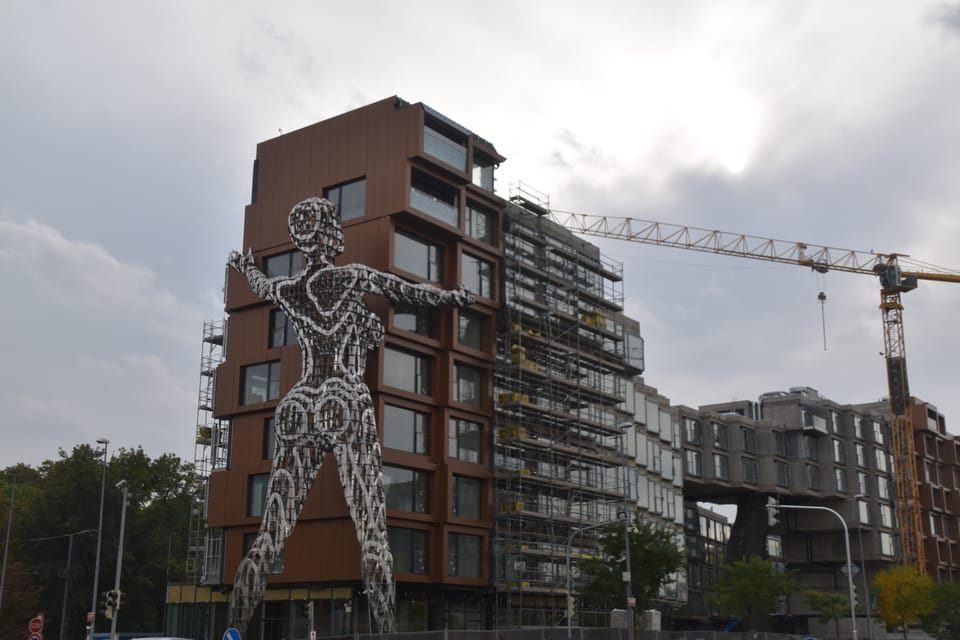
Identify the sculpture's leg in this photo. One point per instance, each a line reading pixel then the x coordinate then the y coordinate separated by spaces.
pixel 300 447
pixel 359 461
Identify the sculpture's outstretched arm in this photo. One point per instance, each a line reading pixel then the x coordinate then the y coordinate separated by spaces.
pixel 263 287
pixel 399 290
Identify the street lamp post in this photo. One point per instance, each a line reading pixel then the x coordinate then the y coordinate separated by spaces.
pixel 569 579
pixel 863 569
pixel 92 615
pixel 846 544
pixel 116 581
pixel 627 575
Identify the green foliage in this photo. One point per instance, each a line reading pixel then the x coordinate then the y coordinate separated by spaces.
pixel 654 555
pixel 61 497
pixel 943 619
pixel 750 590
pixel 830 605
pixel 903 596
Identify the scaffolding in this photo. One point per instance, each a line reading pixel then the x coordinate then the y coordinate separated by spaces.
pixel 210 450
pixel 560 385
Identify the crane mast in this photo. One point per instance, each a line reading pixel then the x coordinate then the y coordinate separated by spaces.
pixel 893 282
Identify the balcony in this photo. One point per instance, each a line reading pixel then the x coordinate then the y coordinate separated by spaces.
pixel 435 198
pixel 444 149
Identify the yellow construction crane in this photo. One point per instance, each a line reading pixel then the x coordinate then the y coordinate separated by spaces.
pixel 893 281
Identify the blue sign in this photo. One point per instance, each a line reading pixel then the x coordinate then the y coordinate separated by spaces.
pixel 231 634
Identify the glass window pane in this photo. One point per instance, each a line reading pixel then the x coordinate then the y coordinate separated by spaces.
pixel 472 330
pixel 417 257
pixel 407 371
pixel 260 382
pixel 468 383
pixel 406 430
pixel 464 440
pixel 257 494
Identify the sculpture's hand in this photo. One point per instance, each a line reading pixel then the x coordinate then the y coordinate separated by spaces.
pixel 241 262
pixel 462 297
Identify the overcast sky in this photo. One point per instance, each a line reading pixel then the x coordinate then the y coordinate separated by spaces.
pixel 129 130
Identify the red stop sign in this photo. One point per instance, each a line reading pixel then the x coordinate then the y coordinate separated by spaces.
pixel 36 624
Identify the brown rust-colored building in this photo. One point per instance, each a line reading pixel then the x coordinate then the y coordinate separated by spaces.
pixel 415 191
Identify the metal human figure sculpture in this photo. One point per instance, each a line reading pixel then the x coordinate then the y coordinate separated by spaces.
pixel 329 409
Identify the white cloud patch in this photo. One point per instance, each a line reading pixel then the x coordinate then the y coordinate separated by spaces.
pixel 99 348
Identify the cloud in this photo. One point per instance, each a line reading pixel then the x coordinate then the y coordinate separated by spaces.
pixel 948 16
pixel 97 348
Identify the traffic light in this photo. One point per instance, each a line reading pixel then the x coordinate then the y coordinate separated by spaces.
pixel 110 603
pixel 773 511
pixel 107 608
pixel 308 613
pixel 853 587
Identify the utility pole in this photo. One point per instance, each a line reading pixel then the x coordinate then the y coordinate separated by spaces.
pixel 6 546
pixel 92 614
pixel 116 581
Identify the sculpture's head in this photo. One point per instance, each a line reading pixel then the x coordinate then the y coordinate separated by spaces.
pixel 315 229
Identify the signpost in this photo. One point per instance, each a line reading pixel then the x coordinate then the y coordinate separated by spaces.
pixel 231 634
pixel 36 627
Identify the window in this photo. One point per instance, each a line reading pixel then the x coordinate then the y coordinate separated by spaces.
pixel 464 555
pixel 813 476
pixel 467 384
pixel 881 458
pixel 260 382
pixel 883 488
pixel 840 479
pixel 288 263
pixel 783 473
pixel 886 544
pixel 719 435
pixel 476 275
pixel 780 444
pixel 886 516
pixel 877 432
pixel 692 431
pixel 407 371
pixel 409 549
pixel 435 198
pixel 417 257
pixel 464 440
pixel 269 438
pixel 415 319
pixel 472 330
pixel 350 198
pixel 858 426
pixel 281 331
pixel 406 430
pixel 749 440
pixel 750 470
pixel 467 497
pixel 483 171
pixel 257 494
pixel 862 487
pixel 863 512
pixel 861 455
pixel 479 223
pixel 839 452
pixel 810 448
pixel 406 489
pixel 694 463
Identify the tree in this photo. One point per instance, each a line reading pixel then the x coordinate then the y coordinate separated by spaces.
pixel 943 620
pixel 831 606
pixel 654 556
pixel 903 596
pixel 61 497
pixel 750 590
